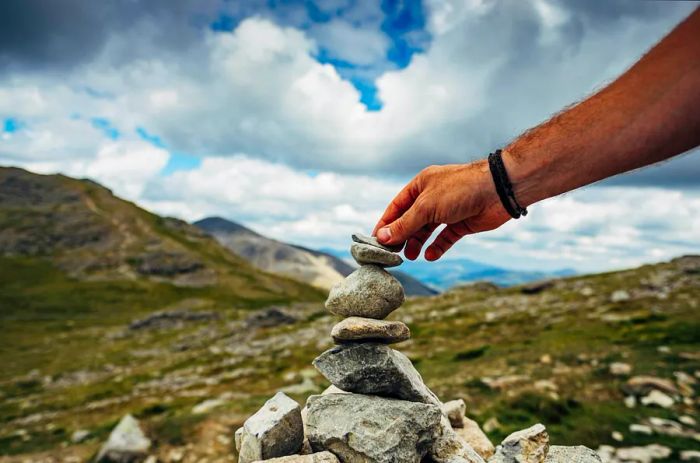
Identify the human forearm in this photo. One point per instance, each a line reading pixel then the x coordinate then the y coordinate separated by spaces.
pixel 650 113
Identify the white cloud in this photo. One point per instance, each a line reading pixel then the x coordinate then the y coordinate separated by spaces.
pixel 259 91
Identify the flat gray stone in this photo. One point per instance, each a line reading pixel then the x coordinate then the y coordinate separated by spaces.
pixel 368 254
pixel 376 369
pixel 321 457
pixel 370 291
pixel 576 454
pixel 276 430
pixel 360 428
pixel 354 329
pixel 448 447
pixel 126 443
pixel 372 241
pixel 529 445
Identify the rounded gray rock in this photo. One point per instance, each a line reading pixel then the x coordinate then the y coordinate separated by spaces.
pixel 354 329
pixel 372 241
pixel 370 291
pixel 361 428
pixel 368 254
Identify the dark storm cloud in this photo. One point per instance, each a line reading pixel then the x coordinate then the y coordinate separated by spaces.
pixel 54 35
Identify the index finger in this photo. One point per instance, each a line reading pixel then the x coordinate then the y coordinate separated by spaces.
pixel 400 204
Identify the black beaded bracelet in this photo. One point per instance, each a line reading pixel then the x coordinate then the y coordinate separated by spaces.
pixel 503 186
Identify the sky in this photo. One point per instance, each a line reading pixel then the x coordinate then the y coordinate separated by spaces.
pixel 302 119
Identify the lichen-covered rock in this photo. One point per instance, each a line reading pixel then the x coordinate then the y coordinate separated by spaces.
pixel 375 369
pixel 455 410
pixel 360 428
pixel 372 241
pixel 368 254
pixel 354 329
pixel 370 291
pixel 526 446
pixel 576 454
pixel 276 430
pixel 126 443
pixel 448 447
pixel 321 457
pixel 472 434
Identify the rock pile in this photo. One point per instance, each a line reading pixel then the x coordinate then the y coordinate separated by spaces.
pixel 378 409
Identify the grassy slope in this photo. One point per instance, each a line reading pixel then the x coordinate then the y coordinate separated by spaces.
pixel 459 339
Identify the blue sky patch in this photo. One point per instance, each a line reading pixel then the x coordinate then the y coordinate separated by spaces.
pixel 12 125
pixel 155 140
pixel 106 127
pixel 180 161
pixel 402 21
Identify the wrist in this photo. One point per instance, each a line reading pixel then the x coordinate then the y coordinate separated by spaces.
pixel 525 176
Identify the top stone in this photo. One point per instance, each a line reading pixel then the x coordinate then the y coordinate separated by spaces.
pixel 372 241
pixel 367 254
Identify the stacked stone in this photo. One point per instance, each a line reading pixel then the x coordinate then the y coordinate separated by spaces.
pixel 367 296
pixel 378 409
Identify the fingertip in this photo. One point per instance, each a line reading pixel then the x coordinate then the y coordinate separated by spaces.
pixel 432 254
pixel 384 235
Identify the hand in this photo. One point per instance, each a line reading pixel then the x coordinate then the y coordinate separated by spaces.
pixel 460 195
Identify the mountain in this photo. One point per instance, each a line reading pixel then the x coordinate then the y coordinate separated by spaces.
pixel 72 251
pixel 447 273
pixel 317 268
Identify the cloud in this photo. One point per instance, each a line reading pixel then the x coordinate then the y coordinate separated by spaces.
pixel 317 165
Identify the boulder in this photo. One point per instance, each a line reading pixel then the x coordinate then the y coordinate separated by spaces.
pixel 472 434
pixel 368 254
pixel 370 291
pixel 354 329
pixel 576 454
pixel 361 428
pixel 526 446
pixel 126 443
pixel 375 369
pixel 321 457
pixel 276 430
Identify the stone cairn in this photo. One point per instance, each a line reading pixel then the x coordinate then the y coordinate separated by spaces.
pixel 378 409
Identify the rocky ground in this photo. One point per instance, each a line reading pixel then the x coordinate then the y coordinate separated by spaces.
pixel 609 361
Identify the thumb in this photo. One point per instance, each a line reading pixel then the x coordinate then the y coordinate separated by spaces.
pixel 401 229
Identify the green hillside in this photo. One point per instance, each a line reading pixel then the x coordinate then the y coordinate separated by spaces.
pixel 192 355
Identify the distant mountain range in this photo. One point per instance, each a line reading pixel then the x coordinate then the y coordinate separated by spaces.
pixel 447 273
pixel 317 268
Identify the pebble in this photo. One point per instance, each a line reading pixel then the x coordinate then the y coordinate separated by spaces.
pixel 368 329
pixel 370 291
pixel 368 254
pixel 372 241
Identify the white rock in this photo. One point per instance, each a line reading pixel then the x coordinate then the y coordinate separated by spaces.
pixel 79 436
pixel 276 430
pixel 643 454
pixel 207 406
pixel 617 436
pixel 630 401
pixel 127 442
pixel 620 369
pixel 688 420
pixel 620 296
pixel 659 399
pixel 455 410
pixel 574 454
pixel 690 455
pixel 641 429
pixel 526 446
